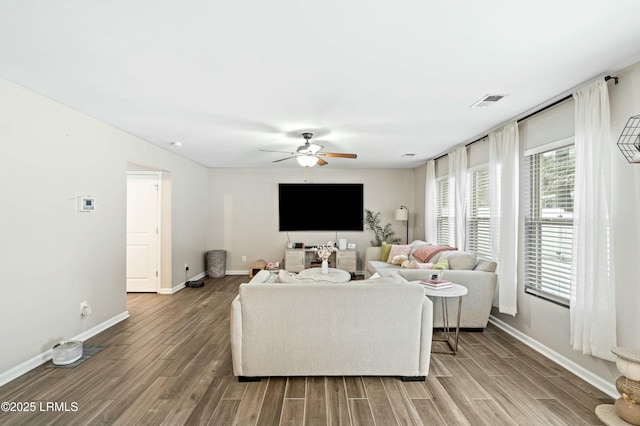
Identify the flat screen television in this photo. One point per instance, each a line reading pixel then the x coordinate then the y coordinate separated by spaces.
pixel 321 206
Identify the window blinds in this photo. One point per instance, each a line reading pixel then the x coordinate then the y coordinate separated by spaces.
pixel 442 211
pixel 549 223
pixel 478 225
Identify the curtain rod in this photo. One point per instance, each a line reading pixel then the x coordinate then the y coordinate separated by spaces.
pixel 546 107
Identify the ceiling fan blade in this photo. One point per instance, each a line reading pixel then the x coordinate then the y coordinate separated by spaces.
pixel 282 152
pixel 321 162
pixel 337 155
pixel 282 159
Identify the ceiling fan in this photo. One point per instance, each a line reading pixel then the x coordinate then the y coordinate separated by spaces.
pixel 308 155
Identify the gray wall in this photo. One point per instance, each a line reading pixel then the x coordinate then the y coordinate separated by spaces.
pixel 243 209
pixel 52 257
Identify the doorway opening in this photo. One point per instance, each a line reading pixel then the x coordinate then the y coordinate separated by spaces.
pixel 148 235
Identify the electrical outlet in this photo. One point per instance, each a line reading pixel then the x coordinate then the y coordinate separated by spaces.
pixel 85 308
pixel 244 258
pixel 186 266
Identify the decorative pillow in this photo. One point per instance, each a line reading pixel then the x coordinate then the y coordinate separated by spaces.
pixel 424 253
pixel 398 260
pixel 460 259
pixel 442 265
pixel 485 265
pixel 386 248
pixel 263 277
pixel 273 278
pixel 417 265
pixel 397 251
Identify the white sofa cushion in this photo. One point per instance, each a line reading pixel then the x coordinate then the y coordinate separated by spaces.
pixel 291 277
pixel 459 260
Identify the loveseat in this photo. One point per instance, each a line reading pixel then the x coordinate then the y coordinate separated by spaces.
pixel 478 276
pixel 319 328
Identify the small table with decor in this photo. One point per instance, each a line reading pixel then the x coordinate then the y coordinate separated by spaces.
pixel 334 275
pixel 454 290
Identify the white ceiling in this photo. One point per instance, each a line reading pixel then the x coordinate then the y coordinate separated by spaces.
pixel 376 78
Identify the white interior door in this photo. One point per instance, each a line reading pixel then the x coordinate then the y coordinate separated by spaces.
pixel 142 231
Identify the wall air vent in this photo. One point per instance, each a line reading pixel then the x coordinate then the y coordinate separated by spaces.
pixel 487 100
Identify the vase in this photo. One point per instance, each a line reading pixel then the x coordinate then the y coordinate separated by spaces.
pixel 325 267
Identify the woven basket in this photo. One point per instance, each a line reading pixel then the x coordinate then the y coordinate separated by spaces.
pixel 216 263
pixel 629 387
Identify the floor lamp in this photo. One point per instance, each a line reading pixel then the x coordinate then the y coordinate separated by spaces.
pixel 403 214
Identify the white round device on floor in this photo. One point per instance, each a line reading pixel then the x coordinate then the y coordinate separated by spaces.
pixel 66 352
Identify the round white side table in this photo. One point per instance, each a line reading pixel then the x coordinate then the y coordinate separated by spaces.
pixel 456 290
pixel 334 275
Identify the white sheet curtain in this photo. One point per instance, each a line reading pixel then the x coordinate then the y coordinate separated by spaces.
pixel 430 203
pixel 593 296
pixel 504 178
pixel 458 195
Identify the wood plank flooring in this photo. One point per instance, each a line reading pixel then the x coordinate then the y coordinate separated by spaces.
pixel 170 363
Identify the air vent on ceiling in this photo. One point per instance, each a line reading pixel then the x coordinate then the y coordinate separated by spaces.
pixel 487 100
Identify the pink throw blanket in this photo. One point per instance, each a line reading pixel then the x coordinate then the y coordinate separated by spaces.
pixel 426 252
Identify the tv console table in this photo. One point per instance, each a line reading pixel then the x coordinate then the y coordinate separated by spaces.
pixel 295 260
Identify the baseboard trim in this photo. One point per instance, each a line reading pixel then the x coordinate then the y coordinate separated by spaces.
pixel 181 285
pixel 246 272
pixel 40 359
pixel 586 375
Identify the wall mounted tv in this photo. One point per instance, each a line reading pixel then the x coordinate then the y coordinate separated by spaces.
pixel 321 206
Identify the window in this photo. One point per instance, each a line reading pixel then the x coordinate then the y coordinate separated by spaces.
pixel 478 226
pixel 549 223
pixel 443 212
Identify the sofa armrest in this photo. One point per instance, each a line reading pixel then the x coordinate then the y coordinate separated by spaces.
pixel 371 253
pixel 236 335
pixel 426 336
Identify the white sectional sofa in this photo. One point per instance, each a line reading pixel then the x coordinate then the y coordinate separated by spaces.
pixel 317 328
pixel 480 280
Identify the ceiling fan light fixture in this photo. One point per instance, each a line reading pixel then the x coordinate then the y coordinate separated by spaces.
pixel 309 154
pixel 307 160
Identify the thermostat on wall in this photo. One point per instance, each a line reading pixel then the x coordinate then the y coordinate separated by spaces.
pixel 86 204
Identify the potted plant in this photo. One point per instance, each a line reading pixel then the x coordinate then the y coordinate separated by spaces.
pixel 382 234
